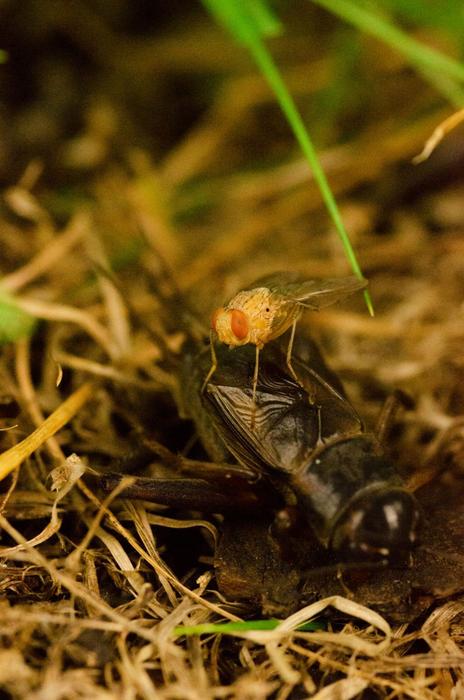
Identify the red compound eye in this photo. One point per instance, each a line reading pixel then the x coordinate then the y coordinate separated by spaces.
pixel 239 324
pixel 214 318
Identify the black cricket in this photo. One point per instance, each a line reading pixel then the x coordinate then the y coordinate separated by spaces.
pixel 305 454
pixel 308 442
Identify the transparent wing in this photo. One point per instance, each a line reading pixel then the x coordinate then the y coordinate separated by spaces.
pixel 313 294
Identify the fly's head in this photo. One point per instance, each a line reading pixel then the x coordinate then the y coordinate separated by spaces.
pixel 381 522
pixel 231 326
pixel 250 317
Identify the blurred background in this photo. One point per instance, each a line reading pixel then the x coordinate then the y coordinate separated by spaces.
pixel 147 173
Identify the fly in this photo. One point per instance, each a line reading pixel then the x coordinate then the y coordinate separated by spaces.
pixel 268 308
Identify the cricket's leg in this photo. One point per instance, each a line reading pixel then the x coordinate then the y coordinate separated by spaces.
pixel 213 361
pixel 398 399
pixel 212 495
pixel 320 439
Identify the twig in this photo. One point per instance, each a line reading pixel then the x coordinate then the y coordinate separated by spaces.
pixel 12 458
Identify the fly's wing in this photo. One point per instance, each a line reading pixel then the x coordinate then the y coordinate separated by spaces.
pixel 285 426
pixel 312 294
pixel 316 294
pixel 276 280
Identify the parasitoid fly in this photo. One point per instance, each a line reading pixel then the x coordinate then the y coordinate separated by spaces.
pixel 268 308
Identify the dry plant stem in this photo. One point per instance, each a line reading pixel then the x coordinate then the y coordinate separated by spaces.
pixel 44 617
pixel 73 586
pixel 346 668
pixel 353 324
pixel 52 528
pixel 163 521
pixel 74 557
pixel 346 688
pixel 97 369
pixel 31 175
pixel 6 496
pixel 135 580
pixel 240 96
pixel 50 311
pixel 349 607
pixel 159 234
pixel 144 531
pixel 432 465
pixel 390 408
pixel 90 579
pixel 155 564
pixel 438 134
pixel 25 205
pixel 12 458
pixel 337 161
pixel 118 320
pixel 54 253
pixel 23 374
pixel 135 675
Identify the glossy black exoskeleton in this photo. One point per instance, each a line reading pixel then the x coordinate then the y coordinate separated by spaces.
pixel 308 443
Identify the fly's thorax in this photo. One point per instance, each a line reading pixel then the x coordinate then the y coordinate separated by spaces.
pixel 260 309
pixel 254 316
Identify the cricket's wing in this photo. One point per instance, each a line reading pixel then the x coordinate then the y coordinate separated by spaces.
pixel 279 431
pixel 312 294
pixel 282 427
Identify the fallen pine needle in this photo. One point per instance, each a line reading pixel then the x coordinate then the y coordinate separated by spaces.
pixel 13 457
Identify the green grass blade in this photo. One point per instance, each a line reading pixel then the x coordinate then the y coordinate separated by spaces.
pixel 249 626
pixel 423 57
pixel 269 70
pixel 245 26
pixel 14 322
pixel 246 21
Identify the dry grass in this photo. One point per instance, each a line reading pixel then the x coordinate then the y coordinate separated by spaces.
pixel 93 587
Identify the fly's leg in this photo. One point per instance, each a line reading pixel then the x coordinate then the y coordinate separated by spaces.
pixel 255 384
pixel 311 394
pixel 213 361
pixel 289 353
